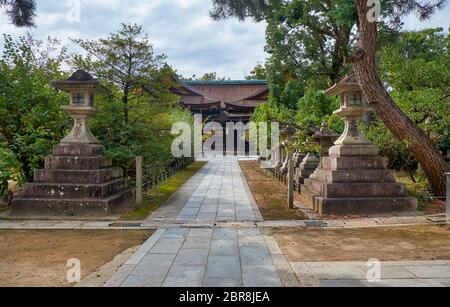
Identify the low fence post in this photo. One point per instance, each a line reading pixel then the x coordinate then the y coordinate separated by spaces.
pixel 448 199
pixel 290 179
pixel 139 181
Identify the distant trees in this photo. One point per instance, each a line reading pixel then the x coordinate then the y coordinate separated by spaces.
pixel 211 76
pixel 258 73
pixel 395 119
pixel 20 12
pixel 124 59
pixel 312 44
pixel 31 121
pixel 137 118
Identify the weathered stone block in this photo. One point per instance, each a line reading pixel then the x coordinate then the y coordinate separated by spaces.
pixel 357 190
pixel 75 150
pixel 353 163
pixel 354 151
pixel 368 206
pixel 356 176
pixel 77 162
pixel 48 207
pixel 77 176
pixel 64 191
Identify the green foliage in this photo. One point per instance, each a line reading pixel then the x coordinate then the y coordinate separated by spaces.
pixel 125 60
pixel 20 12
pixel 10 169
pixel 314 109
pixel 30 118
pixel 160 194
pixel 136 120
pixel 258 73
pixel 424 96
pixel 210 76
pixel 291 93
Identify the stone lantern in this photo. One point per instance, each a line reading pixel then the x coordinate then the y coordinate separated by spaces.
pixel 307 166
pixel 82 88
pixel 448 198
pixel 353 178
pixel 288 135
pixel 326 139
pixel 78 180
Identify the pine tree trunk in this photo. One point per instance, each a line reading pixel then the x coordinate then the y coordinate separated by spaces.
pixel 420 145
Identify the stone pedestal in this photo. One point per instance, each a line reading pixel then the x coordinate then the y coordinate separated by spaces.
pixel 306 168
pixel 298 159
pixel 448 197
pixel 354 180
pixel 77 181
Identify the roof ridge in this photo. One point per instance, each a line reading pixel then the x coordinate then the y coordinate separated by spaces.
pixel 195 82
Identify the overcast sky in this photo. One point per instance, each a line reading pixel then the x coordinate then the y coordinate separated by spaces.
pixel 181 29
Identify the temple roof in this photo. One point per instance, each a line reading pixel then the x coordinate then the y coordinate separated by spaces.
pixel 229 94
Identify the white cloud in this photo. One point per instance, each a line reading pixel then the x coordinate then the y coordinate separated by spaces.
pixel 182 29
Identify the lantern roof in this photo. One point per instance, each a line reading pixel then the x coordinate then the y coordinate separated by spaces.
pixel 80 80
pixel 325 132
pixel 348 84
pixel 288 131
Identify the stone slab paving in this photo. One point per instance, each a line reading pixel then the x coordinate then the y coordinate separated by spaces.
pixel 393 274
pixel 220 257
pixel 232 252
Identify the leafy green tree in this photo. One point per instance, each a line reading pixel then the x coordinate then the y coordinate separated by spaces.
pixel 313 36
pixel 211 76
pixel 424 96
pixel 313 39
pixel 136 120
pixel 20 12
pixel 30 118
pixel 365 66
pixel 125 59
pixel 258 73
pixel 10 169
pixel 316 108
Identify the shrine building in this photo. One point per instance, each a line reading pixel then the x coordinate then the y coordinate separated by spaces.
pixel 223 101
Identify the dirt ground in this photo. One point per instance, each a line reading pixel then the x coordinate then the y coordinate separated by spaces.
pixel 415 243
pixel 270 195
pixel 39 258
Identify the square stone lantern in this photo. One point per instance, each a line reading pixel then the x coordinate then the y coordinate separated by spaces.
pixel 448 198
pixel 288 136
pixel 78 180
pixel 307 166
pixel 81 88
pixel 353 178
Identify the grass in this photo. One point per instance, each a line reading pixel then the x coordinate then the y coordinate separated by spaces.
pixel 420 190
pixel 161 193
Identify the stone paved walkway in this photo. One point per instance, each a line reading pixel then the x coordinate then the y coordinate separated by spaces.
pixel 218 193
pixel 206 257
pixel 392 274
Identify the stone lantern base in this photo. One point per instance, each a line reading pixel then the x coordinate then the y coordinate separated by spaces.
pixel 78 180
pixel 306 168
pixel 354 180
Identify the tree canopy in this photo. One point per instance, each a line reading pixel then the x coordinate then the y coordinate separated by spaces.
pixel 312 44
pixel 20 12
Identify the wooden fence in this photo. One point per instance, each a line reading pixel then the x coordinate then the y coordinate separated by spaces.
pixel 148 178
